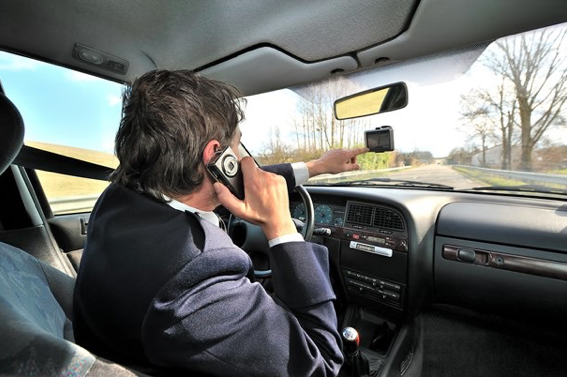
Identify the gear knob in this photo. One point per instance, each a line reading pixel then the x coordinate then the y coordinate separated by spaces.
pixel 351 341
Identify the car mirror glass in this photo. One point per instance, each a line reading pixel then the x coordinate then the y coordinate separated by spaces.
pixel 374 101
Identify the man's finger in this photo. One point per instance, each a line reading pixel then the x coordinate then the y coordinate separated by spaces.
pixel 357 151
pixel 228 200
pixel 248 168
pixel 352 153
pixel 350 167
pixel 247 164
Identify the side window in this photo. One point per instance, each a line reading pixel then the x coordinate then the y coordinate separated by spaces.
pixel 68 113
pixel 67 194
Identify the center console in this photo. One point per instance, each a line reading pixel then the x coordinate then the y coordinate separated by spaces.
pixel 372 256
pixel 369 256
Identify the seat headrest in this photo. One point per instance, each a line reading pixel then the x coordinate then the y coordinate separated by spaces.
pixel 11 132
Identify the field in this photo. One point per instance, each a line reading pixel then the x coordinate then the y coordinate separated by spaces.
pixel 59 185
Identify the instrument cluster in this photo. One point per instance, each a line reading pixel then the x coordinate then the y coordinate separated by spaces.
pixel 325 214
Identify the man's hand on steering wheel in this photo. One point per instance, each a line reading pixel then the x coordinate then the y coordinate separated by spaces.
pixel 266 201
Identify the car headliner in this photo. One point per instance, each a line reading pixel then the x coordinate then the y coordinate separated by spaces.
pixel 261 45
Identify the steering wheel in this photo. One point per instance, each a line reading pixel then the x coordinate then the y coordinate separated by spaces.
pixel 251 238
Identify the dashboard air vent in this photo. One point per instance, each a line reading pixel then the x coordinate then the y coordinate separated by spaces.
pixel 359 214
pixel 385 218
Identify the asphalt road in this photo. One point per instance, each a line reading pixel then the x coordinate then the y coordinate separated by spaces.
pixel 442 174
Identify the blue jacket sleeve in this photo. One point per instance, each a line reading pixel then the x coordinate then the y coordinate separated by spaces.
pixel 210 318
pixel 286 171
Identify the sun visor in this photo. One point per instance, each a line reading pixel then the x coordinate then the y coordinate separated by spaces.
pixel 265 69
pixel 448 25
pixel 441 67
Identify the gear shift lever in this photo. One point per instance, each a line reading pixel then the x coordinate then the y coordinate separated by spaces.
pixel 351 341
pixel 356 365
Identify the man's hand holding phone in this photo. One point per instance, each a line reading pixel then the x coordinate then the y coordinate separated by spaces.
pixel 265 203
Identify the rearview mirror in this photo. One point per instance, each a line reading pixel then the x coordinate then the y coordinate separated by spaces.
pixel 374 101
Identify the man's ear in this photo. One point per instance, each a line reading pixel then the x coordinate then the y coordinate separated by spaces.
pixel 210 150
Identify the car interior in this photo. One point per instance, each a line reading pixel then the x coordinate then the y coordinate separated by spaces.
pixel 436 281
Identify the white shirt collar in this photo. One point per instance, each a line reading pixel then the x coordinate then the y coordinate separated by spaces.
pixel 209 216
pixel 300 172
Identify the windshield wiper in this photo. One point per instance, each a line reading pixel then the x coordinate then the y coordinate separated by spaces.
pixel 396 182
pixel 523 188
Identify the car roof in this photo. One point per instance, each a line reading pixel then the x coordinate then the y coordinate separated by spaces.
pixel 257 45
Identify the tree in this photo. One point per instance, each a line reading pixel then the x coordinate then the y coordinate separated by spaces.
pixel 460 156
pixel 536 66
pixel 506 110
pixel 371 161
pixel 275 150
pixel 316 127
pixel 499 107
pixel 479 122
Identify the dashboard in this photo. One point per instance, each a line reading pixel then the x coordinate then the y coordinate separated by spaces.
pixel 368 243
pixel 393 251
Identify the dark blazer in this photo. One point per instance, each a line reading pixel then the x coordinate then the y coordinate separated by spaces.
pixel 162 288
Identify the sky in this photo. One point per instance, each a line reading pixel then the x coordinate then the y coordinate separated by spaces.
pixel 70 108
pixel 432 121
pixel 64 107
pixel 61 106
pixel 429 123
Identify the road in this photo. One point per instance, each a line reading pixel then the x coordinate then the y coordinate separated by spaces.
pixel 437 174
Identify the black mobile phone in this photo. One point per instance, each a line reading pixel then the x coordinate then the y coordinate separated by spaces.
pixel 225 168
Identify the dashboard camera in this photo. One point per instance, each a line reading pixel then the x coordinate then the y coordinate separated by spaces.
pixel 380 140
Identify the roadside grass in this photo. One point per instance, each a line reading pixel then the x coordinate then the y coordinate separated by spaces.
pixel 492 180
pixel 489 179
pixel 560 171
pixel 354 176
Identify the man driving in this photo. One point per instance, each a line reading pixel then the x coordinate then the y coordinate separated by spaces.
pixel 162 287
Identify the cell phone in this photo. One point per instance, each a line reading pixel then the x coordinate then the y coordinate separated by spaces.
pixel 225 168
pixel 380 140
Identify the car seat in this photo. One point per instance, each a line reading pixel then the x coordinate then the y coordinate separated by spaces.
pixel 36 299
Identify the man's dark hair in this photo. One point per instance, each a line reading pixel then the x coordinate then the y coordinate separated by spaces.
pixel 168 117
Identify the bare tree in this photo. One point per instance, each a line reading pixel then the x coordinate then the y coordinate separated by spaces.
pixel 536 65
pixel 275 150
pixel 507 111
pixel 479 123
pixel 492 112
pixel 316 126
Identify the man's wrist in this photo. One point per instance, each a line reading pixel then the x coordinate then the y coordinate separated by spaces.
pixel 300 172
pixel 274 230
pixel 313 167
pixel 294 237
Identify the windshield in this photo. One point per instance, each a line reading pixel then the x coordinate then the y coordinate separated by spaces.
pixel 484 117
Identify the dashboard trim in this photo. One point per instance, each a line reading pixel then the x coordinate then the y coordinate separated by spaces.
pixel 510 262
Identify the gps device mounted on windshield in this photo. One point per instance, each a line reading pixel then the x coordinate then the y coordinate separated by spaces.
pixel 380 140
